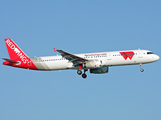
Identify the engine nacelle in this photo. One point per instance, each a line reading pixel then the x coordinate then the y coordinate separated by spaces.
pixel 91 64
pixel 94 64
pixel 99 70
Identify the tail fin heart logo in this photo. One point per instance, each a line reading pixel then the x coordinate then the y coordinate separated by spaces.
pixel 126 55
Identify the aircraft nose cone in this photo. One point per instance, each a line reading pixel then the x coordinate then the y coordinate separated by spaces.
pixel 157 57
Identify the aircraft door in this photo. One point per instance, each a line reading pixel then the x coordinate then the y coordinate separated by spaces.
pixel 108 56
pixel 140 54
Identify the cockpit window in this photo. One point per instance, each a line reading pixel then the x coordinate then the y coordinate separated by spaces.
pixel 150 53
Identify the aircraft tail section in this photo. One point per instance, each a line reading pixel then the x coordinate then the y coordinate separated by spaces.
pixel 15 52
pixel 17 57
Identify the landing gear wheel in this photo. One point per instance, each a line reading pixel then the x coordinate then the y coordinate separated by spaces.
pixel 84 75
pixel 142 70
pixel 79 72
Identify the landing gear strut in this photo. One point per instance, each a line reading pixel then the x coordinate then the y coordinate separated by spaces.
pixel 142 70
pixel 84 75
pixel 79 72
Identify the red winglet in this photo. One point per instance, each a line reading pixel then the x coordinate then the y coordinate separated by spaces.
pixel 55 49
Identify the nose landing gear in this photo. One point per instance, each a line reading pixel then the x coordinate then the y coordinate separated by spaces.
pixel 142 70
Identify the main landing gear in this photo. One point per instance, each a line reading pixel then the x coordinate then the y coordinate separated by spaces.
pixel 79 72
pixel 84 75
pixel 142 70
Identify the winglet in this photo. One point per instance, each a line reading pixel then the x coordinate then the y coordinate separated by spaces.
pixel 55 49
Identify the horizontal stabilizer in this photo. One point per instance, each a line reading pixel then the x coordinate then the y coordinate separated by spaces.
pixel 11 61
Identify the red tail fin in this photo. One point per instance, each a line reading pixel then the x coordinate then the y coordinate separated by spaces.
pixel 15 52
pixel 17 57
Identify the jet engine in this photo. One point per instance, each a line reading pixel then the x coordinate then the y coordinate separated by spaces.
pixel 94 64
pixel 99 70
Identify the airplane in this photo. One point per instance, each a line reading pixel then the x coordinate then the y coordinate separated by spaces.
pixel 97 63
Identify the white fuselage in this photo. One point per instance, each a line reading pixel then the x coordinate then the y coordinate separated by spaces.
pixel 97 63
pixel 115 58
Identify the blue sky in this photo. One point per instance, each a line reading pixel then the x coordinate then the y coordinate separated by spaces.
pixel 79 27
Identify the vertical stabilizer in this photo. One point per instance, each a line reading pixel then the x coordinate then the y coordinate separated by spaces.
pixel 15 52
pixel 17 57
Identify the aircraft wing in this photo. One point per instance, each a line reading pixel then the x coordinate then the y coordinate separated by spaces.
pixel 76 60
